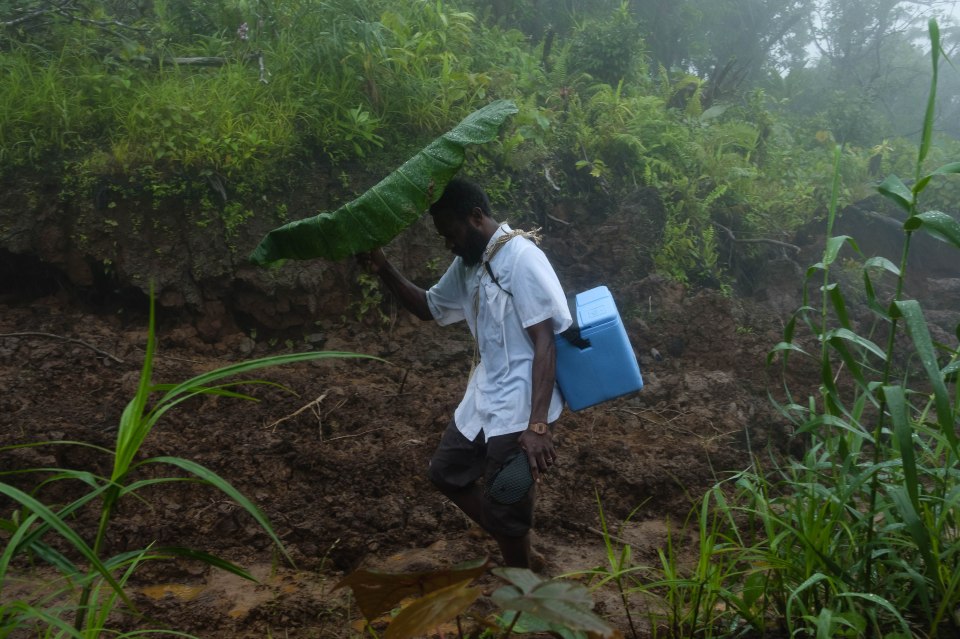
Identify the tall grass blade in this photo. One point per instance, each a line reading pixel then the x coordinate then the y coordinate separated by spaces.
pixel 929 117
pixel 39 510
pixel 130 434
pixel 883 603
pixel 917 328
pixel 903 432
pixel 218 482
pixel 23 615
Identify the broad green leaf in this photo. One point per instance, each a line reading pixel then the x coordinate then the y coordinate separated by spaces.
pixel 432 610
pixel 131 433
pixel 529 624
pixel 941 226
pixel 52 442
pixel 920 334
pixel 946 169
pixel 377 592
pixel 894 189
pixel 53 557
pixel 834 244
pixel 141 425
pixel 836 422
pixel 951 369
pixel 525 580
pixel 874 264
pixel 863 342
pixel 564 603
pixel 783 347
pixel 380 214
pixel 31 538
pixel 882 263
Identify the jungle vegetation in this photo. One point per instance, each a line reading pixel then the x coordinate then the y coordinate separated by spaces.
pixel 749 117
pixel 727 109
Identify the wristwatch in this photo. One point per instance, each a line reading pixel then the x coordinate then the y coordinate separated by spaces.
pixel 539 428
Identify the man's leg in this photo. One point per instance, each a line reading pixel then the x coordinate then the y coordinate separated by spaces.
pixel 515 549
pixel 508 523
pixel 455 468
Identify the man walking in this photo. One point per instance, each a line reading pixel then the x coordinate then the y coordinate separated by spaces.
pixel 502 284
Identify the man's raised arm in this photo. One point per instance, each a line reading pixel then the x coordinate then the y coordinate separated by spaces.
pixel 412 297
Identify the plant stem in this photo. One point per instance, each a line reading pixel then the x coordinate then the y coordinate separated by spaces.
pixel 109 500
pixel 509 629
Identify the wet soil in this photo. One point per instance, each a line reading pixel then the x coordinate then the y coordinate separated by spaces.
pixel 335 453
pixel 336 459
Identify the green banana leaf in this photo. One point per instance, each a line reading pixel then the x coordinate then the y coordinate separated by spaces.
pixel 396 202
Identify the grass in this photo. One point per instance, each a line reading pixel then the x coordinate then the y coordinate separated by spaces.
pixel 90 589
pixel 857 537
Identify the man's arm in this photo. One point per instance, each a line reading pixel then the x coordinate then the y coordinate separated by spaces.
pixel 540 449
pixel 412 297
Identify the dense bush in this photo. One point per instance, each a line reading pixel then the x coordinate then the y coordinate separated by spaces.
pixel 241 96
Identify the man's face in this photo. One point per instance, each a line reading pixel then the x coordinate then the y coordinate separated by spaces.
pixel 462 238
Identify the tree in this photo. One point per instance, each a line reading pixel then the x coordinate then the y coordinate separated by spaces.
pixel 726 43
pixel 872 56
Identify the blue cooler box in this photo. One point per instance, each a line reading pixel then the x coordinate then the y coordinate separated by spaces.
pixel 605 369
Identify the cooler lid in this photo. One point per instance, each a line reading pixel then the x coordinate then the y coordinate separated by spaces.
pixel 595 307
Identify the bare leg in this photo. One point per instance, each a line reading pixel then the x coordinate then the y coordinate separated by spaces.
pixel 515 550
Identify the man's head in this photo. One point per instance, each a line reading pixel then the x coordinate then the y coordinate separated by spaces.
pixel 462 217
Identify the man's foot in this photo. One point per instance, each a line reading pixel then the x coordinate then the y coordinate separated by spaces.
pixel 539 563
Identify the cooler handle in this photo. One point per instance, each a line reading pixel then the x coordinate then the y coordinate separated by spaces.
pixel 572 334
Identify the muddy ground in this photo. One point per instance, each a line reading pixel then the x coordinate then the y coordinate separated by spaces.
pixel 337 459
pixel 338 463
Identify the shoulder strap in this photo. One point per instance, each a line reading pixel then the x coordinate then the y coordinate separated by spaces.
pixel 572 334
pixel 494 278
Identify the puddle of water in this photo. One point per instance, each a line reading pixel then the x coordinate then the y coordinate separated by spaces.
pixel 182 592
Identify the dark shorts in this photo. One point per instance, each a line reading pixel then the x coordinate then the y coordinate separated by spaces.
pixel 459 463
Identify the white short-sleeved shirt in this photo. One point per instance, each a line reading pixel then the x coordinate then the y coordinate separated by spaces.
pixel 499 393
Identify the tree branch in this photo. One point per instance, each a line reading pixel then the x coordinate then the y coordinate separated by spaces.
pixel 759 240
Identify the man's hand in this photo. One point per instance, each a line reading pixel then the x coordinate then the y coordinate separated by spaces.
pixel 373 261
pixel 540 451
pixel 412 297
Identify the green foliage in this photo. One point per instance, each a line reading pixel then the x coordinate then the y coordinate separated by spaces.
pixel 685 255
pixel 96 582
pixel 39 110
pixel 397 201
pixel 609 49
pixel 859 535
pixel 93 94
pixel 552 605
pixel 205 123
pixel 371 299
